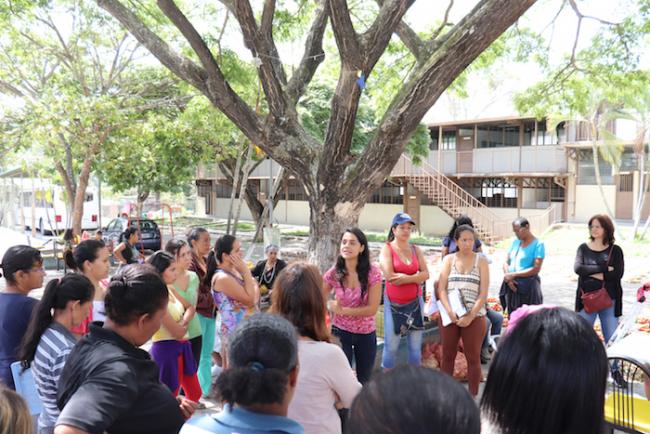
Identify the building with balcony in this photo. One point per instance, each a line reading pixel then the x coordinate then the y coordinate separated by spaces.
pixel 491 169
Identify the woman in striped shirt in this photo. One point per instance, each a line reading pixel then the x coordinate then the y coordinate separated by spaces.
pixel 66 303
pixel 468 273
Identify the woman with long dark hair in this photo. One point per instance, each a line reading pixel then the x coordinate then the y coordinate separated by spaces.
pixel 549 376
pixel 405 270
pixel 260 381
pixel 90 258
pixel 357 292
pixel 233 287
pixel 66 303
pixel 325 378
pixel 22 267
pixel 599 264
pixel 171 348
pixel 199 241
pixel 108 383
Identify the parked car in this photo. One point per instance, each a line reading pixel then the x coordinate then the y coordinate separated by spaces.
pixel 149 234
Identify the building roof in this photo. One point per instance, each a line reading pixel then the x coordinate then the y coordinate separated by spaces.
pixel 502 119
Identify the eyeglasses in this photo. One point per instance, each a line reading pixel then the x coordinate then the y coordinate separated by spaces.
pixel 36 270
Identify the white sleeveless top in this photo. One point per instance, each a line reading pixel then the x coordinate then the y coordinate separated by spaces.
pixel 468 284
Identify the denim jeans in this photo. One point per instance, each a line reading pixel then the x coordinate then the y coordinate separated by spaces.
pixel 494 324
pixel 608 322
pixel 392 340
pixel 362 348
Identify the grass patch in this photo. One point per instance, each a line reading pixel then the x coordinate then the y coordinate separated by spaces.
pixel 295 232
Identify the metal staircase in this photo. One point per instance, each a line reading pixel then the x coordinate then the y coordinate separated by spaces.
pixel 452 198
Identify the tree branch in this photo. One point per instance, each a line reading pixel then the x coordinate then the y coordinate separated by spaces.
pixel 266 28
pixel 218 91
pixel 346 37
pixel 377 37
pixel 313 55
pixel 179 65
pixel 464 43
pixel 444 23
pixel 195 40
pixel 6 87
pixel 270 69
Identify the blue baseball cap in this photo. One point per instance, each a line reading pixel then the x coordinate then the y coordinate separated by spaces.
pixel 401 218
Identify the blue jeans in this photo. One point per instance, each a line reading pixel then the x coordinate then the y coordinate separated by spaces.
pixel 494 324
pixel 608 322
pixel 362 348
pixel 391 340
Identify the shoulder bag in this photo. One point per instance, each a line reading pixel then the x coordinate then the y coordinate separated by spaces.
pixel 595 301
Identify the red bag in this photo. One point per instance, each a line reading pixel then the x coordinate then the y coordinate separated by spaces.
pixel 595 301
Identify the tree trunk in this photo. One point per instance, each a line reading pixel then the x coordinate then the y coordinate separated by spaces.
pixel 242 186
pixel 638 205
pixel 235 178
pixel 594 148
pixel 326 225
pixel 142 196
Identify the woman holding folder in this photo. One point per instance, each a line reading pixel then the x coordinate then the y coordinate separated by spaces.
pixel 463 286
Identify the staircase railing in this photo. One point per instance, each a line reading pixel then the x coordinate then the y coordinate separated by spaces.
pixel 451 197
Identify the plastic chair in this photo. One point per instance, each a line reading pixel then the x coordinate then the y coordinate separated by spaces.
pixel 626 407
pixel 26 387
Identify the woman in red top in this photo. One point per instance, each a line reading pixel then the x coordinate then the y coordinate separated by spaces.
pixel 405 270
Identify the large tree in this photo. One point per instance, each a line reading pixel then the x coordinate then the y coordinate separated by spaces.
pixel 65 65
pixel 337 181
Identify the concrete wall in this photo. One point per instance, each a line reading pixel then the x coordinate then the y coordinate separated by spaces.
pixel 375 217
pixel 589 202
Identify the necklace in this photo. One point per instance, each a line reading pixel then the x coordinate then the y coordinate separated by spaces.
pixel 265 278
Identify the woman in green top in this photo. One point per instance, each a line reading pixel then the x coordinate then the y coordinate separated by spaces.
pixel 186 287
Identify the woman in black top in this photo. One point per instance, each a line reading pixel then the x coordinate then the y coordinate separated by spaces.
pixel 600 262
pixel 110 385
pixel 266 271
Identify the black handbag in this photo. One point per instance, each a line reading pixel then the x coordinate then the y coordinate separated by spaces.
pixel 407 317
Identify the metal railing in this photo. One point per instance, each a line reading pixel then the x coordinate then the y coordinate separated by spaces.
pixel 450 196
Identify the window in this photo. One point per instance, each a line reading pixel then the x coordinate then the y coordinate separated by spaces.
pixel 89 197
pixel 529 132
pixel 433 144
pixel 497 136
pixel 448 140
pixel 388 193
pixel 544 136
pixel 586 172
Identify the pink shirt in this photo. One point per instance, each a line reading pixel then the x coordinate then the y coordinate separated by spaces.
pixel 351 297
pixel 324 378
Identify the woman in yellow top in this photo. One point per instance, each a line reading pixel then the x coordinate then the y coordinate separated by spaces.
pixel 171 349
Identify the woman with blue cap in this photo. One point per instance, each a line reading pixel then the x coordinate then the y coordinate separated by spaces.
pixel 405 270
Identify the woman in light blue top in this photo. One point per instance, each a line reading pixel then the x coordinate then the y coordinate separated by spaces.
pixel 521 283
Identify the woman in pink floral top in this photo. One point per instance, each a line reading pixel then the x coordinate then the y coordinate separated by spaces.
pixel 356 285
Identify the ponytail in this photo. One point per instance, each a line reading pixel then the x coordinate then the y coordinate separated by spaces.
pixel 87 250
pixel 58 292
pixel 391 235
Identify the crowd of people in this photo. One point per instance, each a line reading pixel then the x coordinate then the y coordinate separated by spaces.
pixel 308 364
